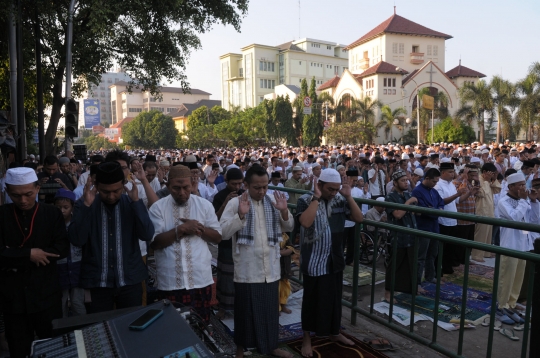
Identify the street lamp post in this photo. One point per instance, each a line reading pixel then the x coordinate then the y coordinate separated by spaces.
pixel 417 106
pixel 397 122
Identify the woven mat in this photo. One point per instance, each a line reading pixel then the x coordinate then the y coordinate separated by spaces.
pixel 364 275
pixel 451 292
pixel 478 270
pixel 476 282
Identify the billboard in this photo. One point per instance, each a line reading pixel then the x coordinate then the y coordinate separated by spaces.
pixel 92 113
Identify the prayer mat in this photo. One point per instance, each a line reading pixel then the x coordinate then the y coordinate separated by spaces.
pixel 451 292
pixel 447 310
pixel 478 270
pixel 364 275
pixel 476 282
pixel 325 348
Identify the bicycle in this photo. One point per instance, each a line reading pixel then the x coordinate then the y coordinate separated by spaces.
pixel 367 244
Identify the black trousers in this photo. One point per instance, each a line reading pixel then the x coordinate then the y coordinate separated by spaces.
pixel 321 305
pixel 450 251
pixel 107 299
pixel 464 232
pixel 21 329
pixel 349 241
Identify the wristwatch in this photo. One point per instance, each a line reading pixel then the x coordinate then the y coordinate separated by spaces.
pixel 313 197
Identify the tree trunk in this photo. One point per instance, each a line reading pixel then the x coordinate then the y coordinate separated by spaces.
pixel 58 102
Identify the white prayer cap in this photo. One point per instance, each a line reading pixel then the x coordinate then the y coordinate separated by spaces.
pixel 320 160
pixel 32 156
pixel 419 172
pixel 485 151
pixel 418 155
pixel 190 159
pixel 405 156
pixel 297 168
pixel 455 152
pixel 445 160
pixel 315 165
pixel 380 198
pixel 330 176
pixel 515 178
pixel 477 152
pixel 407 146
pixel 475 160
pixel 21 176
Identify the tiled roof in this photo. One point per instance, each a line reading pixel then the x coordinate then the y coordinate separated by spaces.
pixel 123 122
pixel 289 46
pixel 398 25
pixel 190 107
pixel 381 67
pixel 462 71
pixel 329 84
pixel 409 76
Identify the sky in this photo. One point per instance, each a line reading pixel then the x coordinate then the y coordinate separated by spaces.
pixel 497 37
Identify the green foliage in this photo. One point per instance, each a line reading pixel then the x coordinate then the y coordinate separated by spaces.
pixel 283 120
pixel 452 131
pixel 150 40
pixel 200 137
pixel 98 143
pixel 150 130
pixel 350 133
pixel 312 123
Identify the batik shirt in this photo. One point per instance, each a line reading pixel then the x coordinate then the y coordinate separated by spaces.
pixel 321 250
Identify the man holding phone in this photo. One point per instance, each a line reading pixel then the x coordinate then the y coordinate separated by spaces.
pixel 51 180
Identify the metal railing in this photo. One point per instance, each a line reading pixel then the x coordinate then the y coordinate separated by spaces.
pixel 531 258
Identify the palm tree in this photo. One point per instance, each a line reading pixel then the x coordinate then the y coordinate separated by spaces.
pixel 365 108
pixel 387 118
pixel 440 103
pixel 476 100
pixel 504 94
pixel 529 107
pixel 325 98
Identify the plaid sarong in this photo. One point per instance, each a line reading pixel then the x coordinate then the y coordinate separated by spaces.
pixel 273 225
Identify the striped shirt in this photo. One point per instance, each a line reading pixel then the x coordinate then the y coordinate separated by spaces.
pixel 321 251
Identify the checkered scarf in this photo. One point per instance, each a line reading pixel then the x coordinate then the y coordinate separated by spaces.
pixel 273 224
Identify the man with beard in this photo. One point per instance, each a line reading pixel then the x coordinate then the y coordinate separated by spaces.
pixel 184 223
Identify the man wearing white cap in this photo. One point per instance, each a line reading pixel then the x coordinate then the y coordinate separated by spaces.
pixel 322 218
pixel 32 238
pixel 515 207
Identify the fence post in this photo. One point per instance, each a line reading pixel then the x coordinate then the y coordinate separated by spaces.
pixel 534 348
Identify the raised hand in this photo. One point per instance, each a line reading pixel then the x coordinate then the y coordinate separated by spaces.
pixel 281 201
pixel 346 188
pixel 160 174
pixel 139 173
pixel 243 205
pixel 211 178
pixel 533 195
pixel 133 193
pixel 89 192
pixel 316 190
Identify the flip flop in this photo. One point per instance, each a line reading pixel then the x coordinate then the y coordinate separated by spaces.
pixel 519 327
pixel 509 333
pixel 379 344
pixel 497 326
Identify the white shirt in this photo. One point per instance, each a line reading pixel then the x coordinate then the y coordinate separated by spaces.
pixel 83 178
pixel 142 196
pixel 374 188
pixel 522 211
pixel 155 184
pixel 447 189
pixel 358 193
pixel 186 264
pixel 259 262
pixel 207 192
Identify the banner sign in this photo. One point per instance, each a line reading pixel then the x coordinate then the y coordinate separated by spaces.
pixel 92 113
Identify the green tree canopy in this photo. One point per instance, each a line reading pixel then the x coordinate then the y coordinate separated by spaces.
pixel 150 40
pixel 312 124
pixel 150 130
pixel 452 131
pixel 95 142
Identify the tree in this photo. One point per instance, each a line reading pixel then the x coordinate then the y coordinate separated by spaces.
pixel 440 109
pixel 298 106
pixel 364 109
pixel 95 142
pixel 529 107
pixel 150 130
pixel 503 94
pixel 283 120
pixel 199 117
pixel 387 118
pixel 312 124
pixel 452 131
pixel 151 41
pixel 476 101
pixel 350 133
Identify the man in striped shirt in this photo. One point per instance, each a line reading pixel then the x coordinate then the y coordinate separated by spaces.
pixel 322 217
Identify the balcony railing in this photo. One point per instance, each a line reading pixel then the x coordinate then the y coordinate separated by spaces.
pixel 364 63
pixel 417 58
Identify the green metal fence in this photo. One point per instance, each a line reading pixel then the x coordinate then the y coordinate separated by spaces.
pixel 531 258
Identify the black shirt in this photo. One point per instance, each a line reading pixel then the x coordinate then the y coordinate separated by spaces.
pixel 49 189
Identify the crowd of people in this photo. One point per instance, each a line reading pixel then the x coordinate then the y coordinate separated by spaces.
pixel 76 236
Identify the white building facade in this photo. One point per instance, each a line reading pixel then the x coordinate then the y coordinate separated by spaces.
pixel 247 77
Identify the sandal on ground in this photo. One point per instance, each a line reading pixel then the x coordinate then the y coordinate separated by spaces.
pixel 504 318
pixel 520 327
pixel 509 333
pixel 497 326
pixel 379 344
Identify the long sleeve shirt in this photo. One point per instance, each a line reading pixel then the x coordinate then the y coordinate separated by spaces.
pixel 186 264
pixel 447 189
pixel 259 262
pixel 295 184
pixel 428 198
pixel 24 286
pixel 485 206
pixel 109 236
pixel 520 210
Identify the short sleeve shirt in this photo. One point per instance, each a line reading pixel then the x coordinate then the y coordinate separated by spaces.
pixel 321 251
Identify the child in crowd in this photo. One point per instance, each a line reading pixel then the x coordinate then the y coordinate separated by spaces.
pixel 70 267
pixel 284 284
